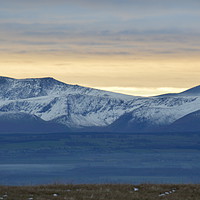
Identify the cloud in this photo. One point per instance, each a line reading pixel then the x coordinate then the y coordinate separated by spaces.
pixel 107 30
pixel 48 10
pixel 128 42
pixel 143 91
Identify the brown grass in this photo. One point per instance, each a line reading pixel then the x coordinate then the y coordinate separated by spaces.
pixel 101 192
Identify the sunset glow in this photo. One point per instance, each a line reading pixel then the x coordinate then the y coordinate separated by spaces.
pixel 134 47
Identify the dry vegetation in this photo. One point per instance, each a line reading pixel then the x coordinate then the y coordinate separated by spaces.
pixel 101 192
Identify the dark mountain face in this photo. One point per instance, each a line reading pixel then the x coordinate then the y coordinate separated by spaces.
pixel 195 91
pixel 129 123
pixel 190 122
pixel 26 123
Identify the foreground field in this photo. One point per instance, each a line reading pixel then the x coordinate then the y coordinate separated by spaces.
pixel 101 192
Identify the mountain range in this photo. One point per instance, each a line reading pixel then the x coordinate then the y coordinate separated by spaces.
pixel 48 105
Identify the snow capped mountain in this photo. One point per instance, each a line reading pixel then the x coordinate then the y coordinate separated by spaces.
pixel 156 113
pixel 79 107
pixel 13 89
pixel 71 105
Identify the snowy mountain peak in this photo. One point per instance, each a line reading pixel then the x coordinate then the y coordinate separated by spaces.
pixel 81 107
pixel 4 80
pixel 71 105
pixel 12 89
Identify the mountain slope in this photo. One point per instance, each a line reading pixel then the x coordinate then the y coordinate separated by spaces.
pixel 26 123
pixel 79 107
pixel 71 105
pixel 195 91
pixel 155 114
pixel 190 122
pixel 15 89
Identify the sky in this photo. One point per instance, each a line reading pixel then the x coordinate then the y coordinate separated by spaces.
pixel 138 47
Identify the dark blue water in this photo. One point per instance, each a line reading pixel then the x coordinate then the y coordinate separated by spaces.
pixel 30 160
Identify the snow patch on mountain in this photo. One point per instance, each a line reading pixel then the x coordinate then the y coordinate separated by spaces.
pixel 72 105
pixel 164 111
pixel 78 107
pixel 12 89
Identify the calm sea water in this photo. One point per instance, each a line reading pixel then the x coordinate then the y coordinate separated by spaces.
pixel 26 161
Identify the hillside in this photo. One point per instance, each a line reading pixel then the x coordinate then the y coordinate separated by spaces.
pixel 80 108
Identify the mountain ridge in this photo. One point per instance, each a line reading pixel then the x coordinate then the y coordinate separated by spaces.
pixel 48 83
pixel 194 91
pixel 80 108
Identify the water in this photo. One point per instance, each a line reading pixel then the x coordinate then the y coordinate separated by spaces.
pixel 98 158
